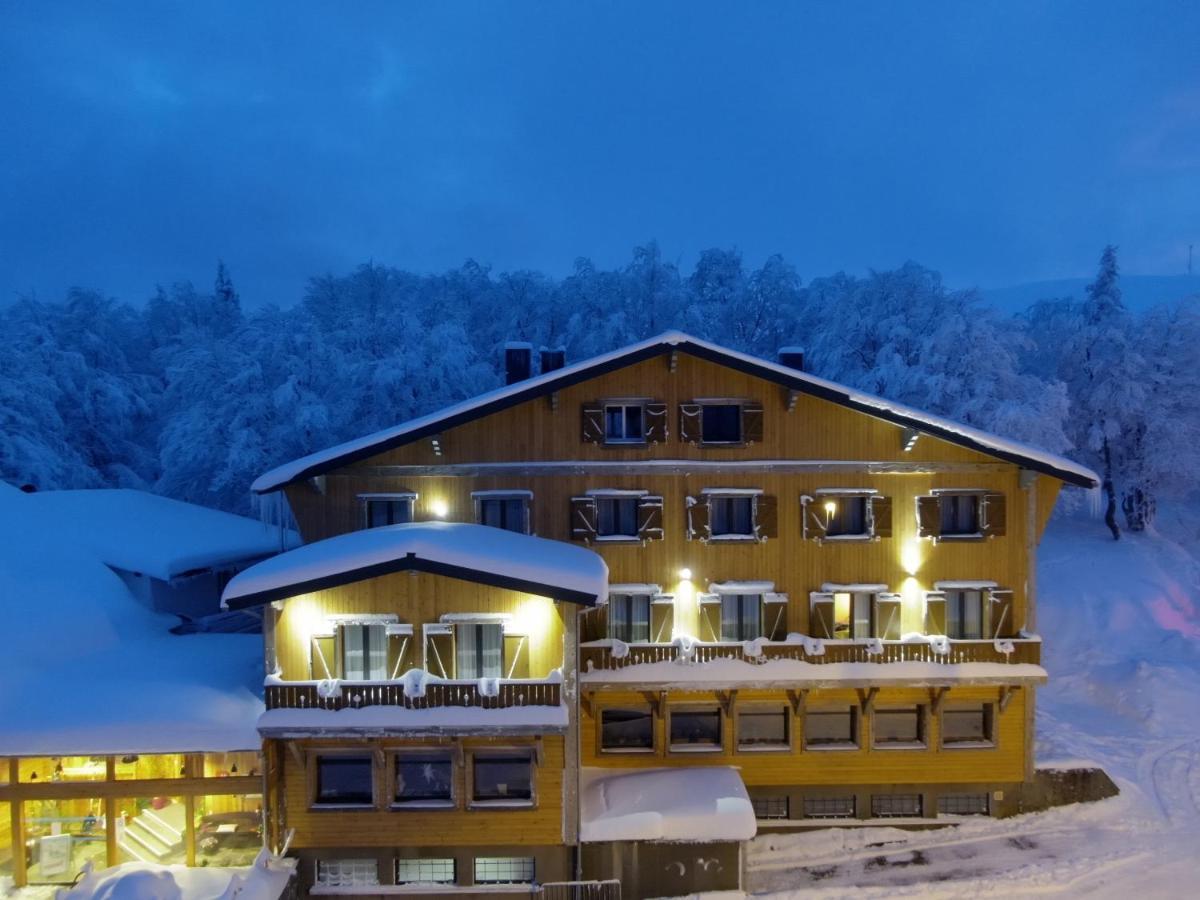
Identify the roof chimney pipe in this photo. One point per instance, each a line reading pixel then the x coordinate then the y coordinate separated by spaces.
pixel 553 359
pixel 518 361
pixel 792 357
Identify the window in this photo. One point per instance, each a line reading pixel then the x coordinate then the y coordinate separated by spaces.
pixel 854 614
pixel 968 726
pixel 901 727
pixel 761 729
pixel 770 807
pixel 479 650
pixel 888 806
pixel 964 615
pixel 829 807
pixel 508 512
pixel 741 617
pixel 503 778
pixel 344 781
pixel 825 728
pixel 347 872
pixel 394 510
pixel 959 514
pixel 721 423
pixel 731 516
pixel 503 869
pixel 424 779
pixel 626 729
pixel 426 871
pixel 695 729
pixel 629 618
pixel 617 517
pixel 847 517
pixel 963 805
pixel 364 651
pixel 624 423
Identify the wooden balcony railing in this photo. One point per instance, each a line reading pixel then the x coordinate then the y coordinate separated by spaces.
pixel 359 694
pixel 1007 651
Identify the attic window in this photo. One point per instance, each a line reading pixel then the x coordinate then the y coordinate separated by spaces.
pixel 721 423
pixel 959 514
pixel 624 423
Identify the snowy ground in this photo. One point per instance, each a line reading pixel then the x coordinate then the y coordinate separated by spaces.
pixel 1122 629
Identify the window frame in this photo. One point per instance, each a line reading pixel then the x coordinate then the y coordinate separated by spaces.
pixel 761 710
pixel 806 813
pixel 425 859
pixel 317 882
pixel 409 497
pixel 990 713
pixel 625 751
pixel 479 498
pixel 532 860
pixel 500 803
pixel 785 799
pixel 630 597
pixel 878 800
pixel 974 494
pixel 730 497
pixel 855 742
pixel 739 405
pixel 953 597
pixel 756 601
pixel 394 758
pixel 625 404
pixel 947 800
pixel 479 648
pixel 921 712
pixel 696 709
pixel 868 520
pixel 314 792
pixel 617 498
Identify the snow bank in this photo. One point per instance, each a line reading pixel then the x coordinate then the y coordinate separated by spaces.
pixel 90 670
pixel 692 804
pixel 537 561
pixel 395 719
pixel 157 536
pixel 265 880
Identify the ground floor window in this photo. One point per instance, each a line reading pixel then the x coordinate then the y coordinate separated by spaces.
pixel 770 807
pixel 61 837
pixel 885 806
pixel 347 872
pixel 228 829
pixel 626 729
pixel 345 781
pixel 424 779
pixel 763 729
pixel 899 728
pixel 426 871
pixel 696 729
pixel 503 778
pixel 503 869
pixel 151 829
pixel 831 728
pixel 829 808
pixel 963 805
pixel 967 726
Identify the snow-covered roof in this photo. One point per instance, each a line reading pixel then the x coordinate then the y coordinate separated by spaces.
pixel 476 553
pixel 702 803
pixel 90 670
pixel 510 395
pixel 157 536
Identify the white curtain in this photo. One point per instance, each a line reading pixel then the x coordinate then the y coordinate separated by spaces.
pixel 639 615
pixel 493 651
pixel 376 651
pixel 466 651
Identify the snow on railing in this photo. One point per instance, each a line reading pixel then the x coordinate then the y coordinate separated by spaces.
pixel 413 692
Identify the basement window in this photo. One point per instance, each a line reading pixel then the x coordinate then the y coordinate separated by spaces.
pixel 890 806
pixel 963 805
pixel 426 871
pixel 347 872
pixel 829 807
pixel 504 869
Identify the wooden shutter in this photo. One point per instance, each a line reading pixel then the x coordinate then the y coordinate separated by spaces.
pixel 774 616
pixel 323 657
pixel 593 423
pixel 697 518
pixel 583 518
pixel 998 613
pixel 752 423
pixel 929 517
pixel 657 430
pixel 593 624
pixel 710 621
pixel 399 656
pixel 516 656
pixel 881 515
pixel 820 615
pixel 690 425
pixel 766 517
pixel 662 621
pixel 811 519
pixel 888 616
pixel 650 518
pixel 935 612
pixel 993 514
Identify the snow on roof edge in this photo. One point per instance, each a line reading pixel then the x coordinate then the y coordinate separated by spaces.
pixel 289 472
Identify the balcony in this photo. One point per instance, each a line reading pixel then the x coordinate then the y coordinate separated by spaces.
pixel 599 656
pixel 411 694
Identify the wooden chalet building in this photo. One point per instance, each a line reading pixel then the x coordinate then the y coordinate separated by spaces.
pixel 607 622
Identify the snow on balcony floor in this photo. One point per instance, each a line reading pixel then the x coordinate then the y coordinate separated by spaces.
pixel 706 803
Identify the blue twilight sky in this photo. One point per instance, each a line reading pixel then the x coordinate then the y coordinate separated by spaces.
pixel 999 142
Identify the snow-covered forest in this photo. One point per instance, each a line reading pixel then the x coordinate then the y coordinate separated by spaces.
pixel 192 395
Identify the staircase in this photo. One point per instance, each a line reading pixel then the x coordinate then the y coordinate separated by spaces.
pixel 154 834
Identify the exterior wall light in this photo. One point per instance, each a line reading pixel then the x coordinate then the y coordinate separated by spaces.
pixel 439 508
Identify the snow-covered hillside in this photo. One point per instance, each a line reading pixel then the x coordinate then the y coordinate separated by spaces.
pixel 1122 628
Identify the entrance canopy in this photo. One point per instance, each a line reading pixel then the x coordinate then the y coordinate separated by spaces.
pixel 476 553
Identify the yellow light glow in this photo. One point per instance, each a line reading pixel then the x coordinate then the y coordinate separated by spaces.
pixel 830 507
pixel 910 556
pixel 911 590
pixel 685 574
pixel 533 617
pixel 439 508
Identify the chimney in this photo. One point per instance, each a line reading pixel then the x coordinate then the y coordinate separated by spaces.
pixel 553 359
pixel 518 361
pixel 792 357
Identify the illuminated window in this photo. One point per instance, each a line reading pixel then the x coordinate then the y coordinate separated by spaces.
pixel 228 829
pixel 150 824
pixel 848 517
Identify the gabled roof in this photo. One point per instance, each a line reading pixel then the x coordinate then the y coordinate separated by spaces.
pixel 474 553
pixel 674 341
